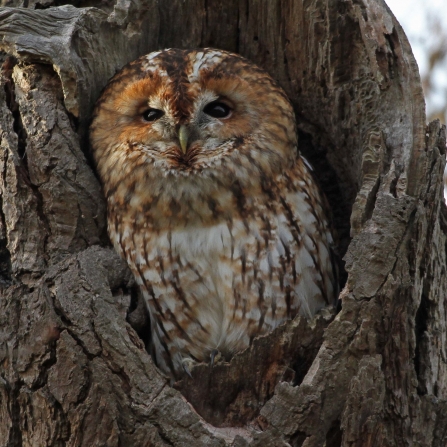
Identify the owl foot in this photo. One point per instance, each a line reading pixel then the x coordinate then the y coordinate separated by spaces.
pixel 215 356
pixel 188 365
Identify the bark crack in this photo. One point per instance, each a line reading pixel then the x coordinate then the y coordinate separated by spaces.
pixel 409 226
pixel 371 200
pixel 15 434
pixel 202 34
pixel 44 366
pixel 22 136
pixel 421 326
pixel 13 106
pixel 5 255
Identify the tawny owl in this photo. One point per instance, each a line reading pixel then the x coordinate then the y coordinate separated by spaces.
pixel 210 202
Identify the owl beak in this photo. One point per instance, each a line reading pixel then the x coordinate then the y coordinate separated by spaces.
pixel 183 135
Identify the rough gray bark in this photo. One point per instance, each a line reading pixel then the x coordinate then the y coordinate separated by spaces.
pixel 73 371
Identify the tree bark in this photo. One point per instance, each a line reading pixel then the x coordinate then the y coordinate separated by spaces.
pixel 74 372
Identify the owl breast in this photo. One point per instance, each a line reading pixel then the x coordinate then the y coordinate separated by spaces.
pixel 215 286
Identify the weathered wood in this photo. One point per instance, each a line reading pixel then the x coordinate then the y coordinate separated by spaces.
pixel 231 394
pixel 74 372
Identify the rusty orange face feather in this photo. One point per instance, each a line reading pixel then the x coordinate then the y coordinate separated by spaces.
pixel 210 202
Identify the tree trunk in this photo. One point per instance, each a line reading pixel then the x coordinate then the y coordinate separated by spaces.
pixel 74 372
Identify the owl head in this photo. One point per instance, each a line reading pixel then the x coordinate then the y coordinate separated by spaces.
pixel 195 116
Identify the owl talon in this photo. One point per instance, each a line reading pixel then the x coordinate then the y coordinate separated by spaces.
pixel 187 365
pixel 215 355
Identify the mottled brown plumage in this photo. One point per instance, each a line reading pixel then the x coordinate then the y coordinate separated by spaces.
pixel 209 201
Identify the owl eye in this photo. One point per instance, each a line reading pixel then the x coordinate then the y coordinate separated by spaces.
pixel 152 114
pixel 217 109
